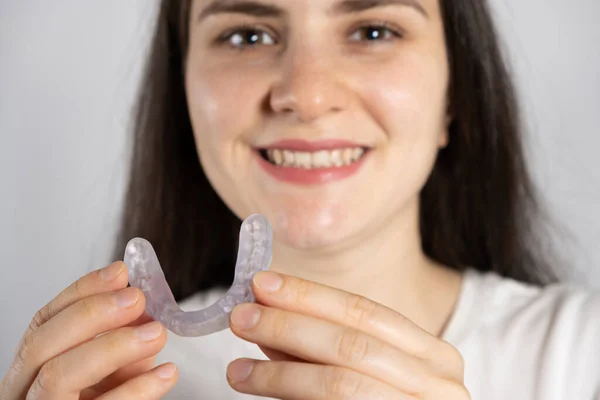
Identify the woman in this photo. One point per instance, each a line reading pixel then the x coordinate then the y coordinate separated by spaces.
pixel 381 139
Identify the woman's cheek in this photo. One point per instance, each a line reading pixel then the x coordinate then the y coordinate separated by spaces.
pixel 211 106
pixel 411 111
pixel 408 104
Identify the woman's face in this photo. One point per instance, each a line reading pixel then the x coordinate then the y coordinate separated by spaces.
pixel 324 115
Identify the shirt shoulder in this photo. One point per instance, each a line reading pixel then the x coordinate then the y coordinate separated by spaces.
pixel 531 342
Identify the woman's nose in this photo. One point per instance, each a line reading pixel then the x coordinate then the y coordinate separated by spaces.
pixel 308 87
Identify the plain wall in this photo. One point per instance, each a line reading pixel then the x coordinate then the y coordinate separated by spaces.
pixel 68 70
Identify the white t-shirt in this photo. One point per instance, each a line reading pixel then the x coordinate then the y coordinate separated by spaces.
pixel 518 341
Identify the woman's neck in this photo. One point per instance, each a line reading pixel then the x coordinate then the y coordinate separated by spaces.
pixel 389 268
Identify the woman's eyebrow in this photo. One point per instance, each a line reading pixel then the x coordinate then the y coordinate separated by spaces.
pixel 353 6
pixel 263 9
pixel 248 7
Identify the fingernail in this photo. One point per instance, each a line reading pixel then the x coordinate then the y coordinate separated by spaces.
pixel 166 371
pixel 150 331
pixel 239 370
pixel 268 281
pixel 112 271
pixel 245 316
pixel 127 297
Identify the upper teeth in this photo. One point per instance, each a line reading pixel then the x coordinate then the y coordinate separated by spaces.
pixel 317 159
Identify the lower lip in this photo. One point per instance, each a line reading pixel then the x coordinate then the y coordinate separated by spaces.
pixel 310 176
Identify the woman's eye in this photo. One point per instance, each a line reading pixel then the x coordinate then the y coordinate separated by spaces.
pixel 248 37
pixel 242 38
pixel 374 33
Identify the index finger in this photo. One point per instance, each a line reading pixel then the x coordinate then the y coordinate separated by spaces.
pixel 107 279
pixel 349 309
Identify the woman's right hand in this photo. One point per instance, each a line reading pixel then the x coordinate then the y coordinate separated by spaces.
pixel 93 341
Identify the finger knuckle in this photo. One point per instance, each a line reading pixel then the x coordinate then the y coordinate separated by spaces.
pixel 450 354
pixel 341 383
pixel 27 351
pixel 40 318
pixel 15 369
pixel 281 326
pixel 303 290
pixel 359 310
pixel 89 307
pixel 435 350
pixel 461 392
pixel 456 356
pixel 352 346
pixel 270 376
pixel 78 289
pixel 48 380
pixel 451 389
pixel 115 341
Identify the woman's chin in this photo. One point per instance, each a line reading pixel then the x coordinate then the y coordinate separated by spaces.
pixel 312 232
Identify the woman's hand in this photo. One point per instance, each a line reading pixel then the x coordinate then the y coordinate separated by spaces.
pixel 325 343
pixel 93 341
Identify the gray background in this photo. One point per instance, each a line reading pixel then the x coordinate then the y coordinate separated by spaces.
pixel 68 70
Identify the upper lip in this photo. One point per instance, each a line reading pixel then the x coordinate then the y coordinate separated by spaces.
pixel 312 145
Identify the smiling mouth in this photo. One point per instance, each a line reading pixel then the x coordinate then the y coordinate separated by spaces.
pixel 340 157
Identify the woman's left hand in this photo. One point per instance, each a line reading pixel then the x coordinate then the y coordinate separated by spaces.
pixel 325 343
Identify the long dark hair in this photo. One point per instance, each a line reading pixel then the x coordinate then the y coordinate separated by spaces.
pixel 478 209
